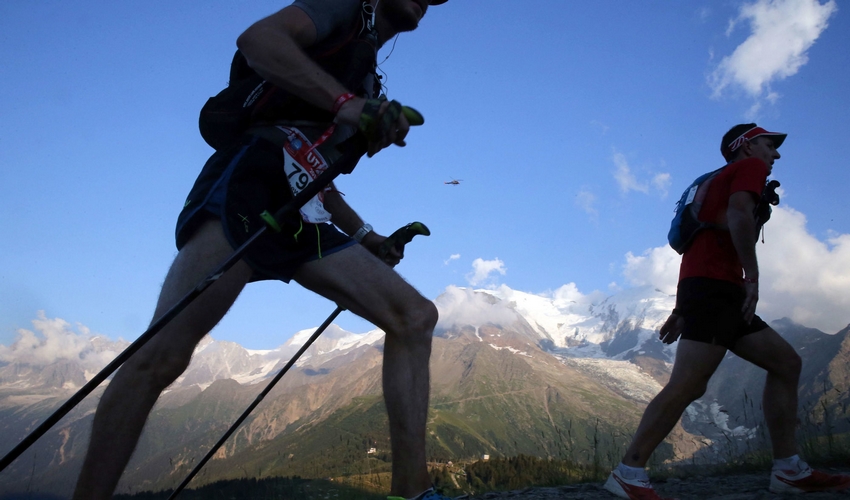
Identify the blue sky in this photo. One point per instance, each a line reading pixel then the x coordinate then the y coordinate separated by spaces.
pixel 573 125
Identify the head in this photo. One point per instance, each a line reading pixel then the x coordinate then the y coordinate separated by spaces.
pixel 402 15
pixel 748 140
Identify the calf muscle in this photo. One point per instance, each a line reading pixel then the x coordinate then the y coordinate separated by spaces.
pixel 119 420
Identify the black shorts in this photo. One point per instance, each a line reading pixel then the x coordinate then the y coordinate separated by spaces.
pixel 239 183
pixel 712 311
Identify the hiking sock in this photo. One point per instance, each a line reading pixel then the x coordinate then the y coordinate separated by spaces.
pixel 632 472
pixel 791 463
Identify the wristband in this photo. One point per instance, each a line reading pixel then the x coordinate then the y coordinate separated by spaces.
pixel 344 98
pixel 362 232
pixel 751 280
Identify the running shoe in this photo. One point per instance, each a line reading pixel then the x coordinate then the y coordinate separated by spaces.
pixel 633 489
pixel 805 480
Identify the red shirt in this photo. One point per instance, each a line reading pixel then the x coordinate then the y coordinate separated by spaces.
pixel 712 254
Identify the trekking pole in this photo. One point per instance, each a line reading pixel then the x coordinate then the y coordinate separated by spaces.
pixel 398 239
pixel 352 149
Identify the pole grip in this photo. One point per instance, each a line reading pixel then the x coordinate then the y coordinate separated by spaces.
pixel 402 237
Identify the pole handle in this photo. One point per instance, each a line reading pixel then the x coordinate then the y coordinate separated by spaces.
pixel 402 237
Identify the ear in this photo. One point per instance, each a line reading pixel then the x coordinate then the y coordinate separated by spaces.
pixel 746 150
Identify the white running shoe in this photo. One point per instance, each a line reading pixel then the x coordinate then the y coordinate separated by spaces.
pixel 805 479
pixel 633 489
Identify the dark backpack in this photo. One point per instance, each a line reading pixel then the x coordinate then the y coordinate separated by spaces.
pixel 686 223
pixel 349 55
pixel 227 115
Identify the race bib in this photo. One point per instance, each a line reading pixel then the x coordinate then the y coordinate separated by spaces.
pixel 302 165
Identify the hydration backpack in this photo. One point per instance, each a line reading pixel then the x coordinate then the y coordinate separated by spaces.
pixel 227 115
pixel 686 223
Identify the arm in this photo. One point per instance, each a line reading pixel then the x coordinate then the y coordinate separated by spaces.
pixel 345 218
pixel 274 48
pixel 742 228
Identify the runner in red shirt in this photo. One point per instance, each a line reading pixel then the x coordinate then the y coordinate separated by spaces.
pixel 716 312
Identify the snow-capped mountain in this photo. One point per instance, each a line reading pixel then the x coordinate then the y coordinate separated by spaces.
pixel 512 372
pixel 572 323
pixel 215 359
pixel 56 357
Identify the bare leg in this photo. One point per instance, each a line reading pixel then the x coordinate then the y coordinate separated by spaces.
pixel 129 398
pixel 695 364
pixel 361 283
pixel 766 349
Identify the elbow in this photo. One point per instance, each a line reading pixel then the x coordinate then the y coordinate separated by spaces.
pixel 331 201
pixel 736 216
pixel 737 224
pixel 246 41
pixel 258 39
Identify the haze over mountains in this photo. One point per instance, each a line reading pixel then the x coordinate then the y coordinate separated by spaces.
pixel 564 375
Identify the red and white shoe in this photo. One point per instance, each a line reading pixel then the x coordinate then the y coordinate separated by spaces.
pixel 806 480
pixel 633 489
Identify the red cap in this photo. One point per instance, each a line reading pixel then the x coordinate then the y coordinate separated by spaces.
pixel 732 142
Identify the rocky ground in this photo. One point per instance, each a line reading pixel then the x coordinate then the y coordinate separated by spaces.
pixel 726 487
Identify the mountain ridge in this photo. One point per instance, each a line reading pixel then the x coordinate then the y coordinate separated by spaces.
pixel 511 373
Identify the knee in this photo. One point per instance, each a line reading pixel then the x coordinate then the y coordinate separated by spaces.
pixel 417 321
pixel 422 318
pixel 795 363
pixel 687 393
pixel 789 365
pixel 695 392
pixel 156 370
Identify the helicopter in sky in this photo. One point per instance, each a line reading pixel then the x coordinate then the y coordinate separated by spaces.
pixel 453 182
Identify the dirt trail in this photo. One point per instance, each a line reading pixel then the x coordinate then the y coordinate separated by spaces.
pixel 732 487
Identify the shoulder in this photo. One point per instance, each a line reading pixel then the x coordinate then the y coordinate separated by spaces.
pixel 328 15
pixel 748 174
pixel 747 167
pixel 746 171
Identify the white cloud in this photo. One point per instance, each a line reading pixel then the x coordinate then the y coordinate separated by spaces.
pixel 598 125
pixel 628 181
pixel 502 305
pixel 586 201
pixel 454 256
pixel 482 269
pixel 55 339
pixel 569 298
pixel 801 276
pixel 782 31
pixel 625 178
pixel 657 267
pixel 465 306
pixel 662 183
pixel 804 278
